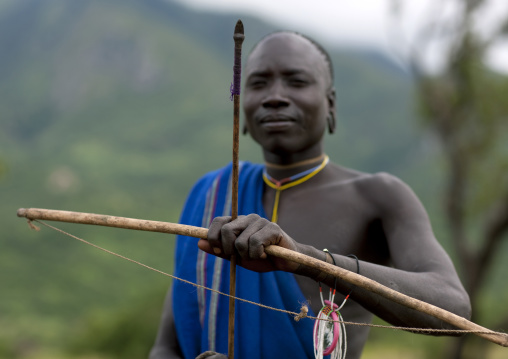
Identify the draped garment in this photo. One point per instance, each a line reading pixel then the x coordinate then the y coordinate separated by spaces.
pixel 201 316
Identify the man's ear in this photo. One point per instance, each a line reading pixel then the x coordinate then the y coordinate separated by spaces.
pixel 331 118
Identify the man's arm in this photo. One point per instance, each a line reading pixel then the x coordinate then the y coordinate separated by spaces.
pixel 421 268
pixel 166 344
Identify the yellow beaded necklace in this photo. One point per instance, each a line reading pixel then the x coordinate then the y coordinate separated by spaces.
pixel 289 182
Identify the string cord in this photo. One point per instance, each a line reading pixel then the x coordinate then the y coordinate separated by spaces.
pixel 295 315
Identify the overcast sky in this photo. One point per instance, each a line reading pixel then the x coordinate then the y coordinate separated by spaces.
pixel 364 22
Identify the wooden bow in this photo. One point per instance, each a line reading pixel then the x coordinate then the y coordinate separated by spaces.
pixel 341 273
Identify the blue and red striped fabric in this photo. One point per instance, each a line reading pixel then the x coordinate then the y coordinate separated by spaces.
pixel 201 317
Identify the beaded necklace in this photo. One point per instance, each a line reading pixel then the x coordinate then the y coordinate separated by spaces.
pixel 289 182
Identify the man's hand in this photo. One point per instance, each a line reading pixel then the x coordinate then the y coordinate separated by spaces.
pixel 247 237
pixel 211 355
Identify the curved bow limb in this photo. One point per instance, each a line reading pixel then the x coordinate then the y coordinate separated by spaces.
pixel 341 273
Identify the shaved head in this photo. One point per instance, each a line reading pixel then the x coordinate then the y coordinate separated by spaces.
pixel 325 55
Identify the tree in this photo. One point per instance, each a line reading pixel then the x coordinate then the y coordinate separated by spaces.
pixel 463 104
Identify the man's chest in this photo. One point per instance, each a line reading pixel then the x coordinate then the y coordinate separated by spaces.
pixel 337 219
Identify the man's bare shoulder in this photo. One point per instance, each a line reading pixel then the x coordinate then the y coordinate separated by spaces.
pixel 344 175
pixel 381 187
pixel 382 181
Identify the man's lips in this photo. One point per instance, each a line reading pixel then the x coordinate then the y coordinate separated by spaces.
pixel 275 118
pixel 276 122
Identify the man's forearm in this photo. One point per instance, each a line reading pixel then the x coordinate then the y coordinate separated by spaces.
pixel 429 287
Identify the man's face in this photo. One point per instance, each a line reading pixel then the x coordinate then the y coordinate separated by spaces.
pixel 287 96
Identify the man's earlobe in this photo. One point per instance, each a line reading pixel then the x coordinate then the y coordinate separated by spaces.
pixel 331 115
pixel 331 122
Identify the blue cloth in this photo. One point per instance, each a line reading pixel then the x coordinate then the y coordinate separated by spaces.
pixel 201 317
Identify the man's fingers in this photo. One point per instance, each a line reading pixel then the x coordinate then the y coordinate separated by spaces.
pixel 214 234
pixel 211 355
pixel 236 230
pixel 248 235
pixel 251 243
pixel 223 232
pixel 269 234
pixel 243 242
pixel 205 246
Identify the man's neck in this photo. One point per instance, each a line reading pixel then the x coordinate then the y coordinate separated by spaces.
pixel 279 171
pixel 302 163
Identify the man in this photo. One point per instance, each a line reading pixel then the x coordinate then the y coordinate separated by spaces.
pixel 289 103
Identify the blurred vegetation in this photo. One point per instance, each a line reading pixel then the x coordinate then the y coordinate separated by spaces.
pixel 117 107
pixel 463 104
pixel 126 333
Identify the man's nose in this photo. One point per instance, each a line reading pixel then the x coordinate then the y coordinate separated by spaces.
pixel 276 96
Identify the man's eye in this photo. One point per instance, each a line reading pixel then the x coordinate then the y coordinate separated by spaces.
pixel 298 82
pixel 257 83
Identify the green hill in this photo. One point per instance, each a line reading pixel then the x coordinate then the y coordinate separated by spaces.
pixel 117 107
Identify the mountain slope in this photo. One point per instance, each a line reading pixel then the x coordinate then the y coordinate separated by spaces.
pixel 117 107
